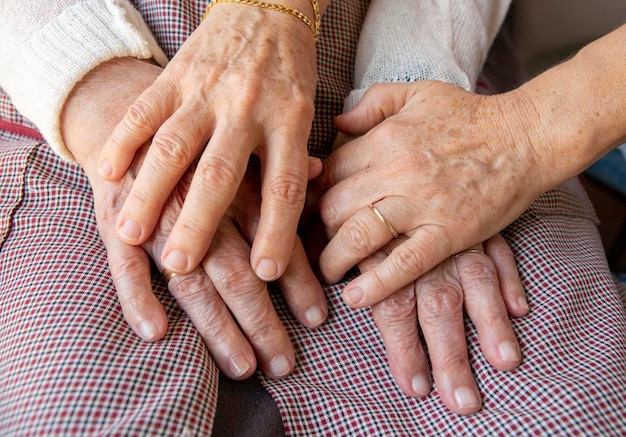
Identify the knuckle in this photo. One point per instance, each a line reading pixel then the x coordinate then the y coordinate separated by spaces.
pixel 187 287
pixel 398 307
pixel 408 261
pixel 357 237
pixel 287 189
pixel 303 106
pixel 171 149
pixel 140 115
pixel 143 199
pixel 204 306
pixel 329 214
pixel 264 333
pixel 479 270
pixel 216 172
pixel 126 267
pixel 237 280
pixel 454 362
pixel 441 301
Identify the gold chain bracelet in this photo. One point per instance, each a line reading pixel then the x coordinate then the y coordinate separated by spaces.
pixel 313 25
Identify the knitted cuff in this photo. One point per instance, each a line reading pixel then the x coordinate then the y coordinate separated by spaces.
pixel 65 50
pixel 427 40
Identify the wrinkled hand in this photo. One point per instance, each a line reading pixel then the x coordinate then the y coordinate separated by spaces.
pixel 439 165
pixel 230 286
pixel 484 285
pixel 244 81
pixel 487 286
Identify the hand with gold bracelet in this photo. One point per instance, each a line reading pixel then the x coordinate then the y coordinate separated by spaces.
pixel 245 82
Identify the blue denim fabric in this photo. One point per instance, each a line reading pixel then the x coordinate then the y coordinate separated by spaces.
pixel 610 170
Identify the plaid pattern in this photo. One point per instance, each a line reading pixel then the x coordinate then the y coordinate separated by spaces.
pixel 70 365
pixel 572 380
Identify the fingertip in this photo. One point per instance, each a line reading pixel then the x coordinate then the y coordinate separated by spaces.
pixel 239 367
pixel 467 401
pixel 315 167
pixel 151 330
pixel 176 261
pixel 524 308
pixel 280 366
pixel 105 170
pixel 130 231
pixel 509 355
pixel 420 386
pixel 315 316
pixel 353 296
pixel 267 270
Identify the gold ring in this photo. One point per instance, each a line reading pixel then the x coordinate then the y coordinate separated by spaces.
pixel 463 252
pixel 384 220
pixel 167 275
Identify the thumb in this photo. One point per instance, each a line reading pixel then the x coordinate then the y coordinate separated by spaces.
pixel 379 102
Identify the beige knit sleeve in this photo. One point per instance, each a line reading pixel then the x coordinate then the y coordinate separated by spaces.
pixel 47 47
pixel 410 40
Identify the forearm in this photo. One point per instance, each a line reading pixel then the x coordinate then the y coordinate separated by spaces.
pixel 575 112
pixel 49 46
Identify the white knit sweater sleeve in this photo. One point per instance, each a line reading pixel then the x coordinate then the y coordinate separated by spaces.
pixel 410 40
pixel 46 47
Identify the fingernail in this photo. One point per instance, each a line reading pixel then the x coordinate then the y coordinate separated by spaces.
pixel 420 385
pixel 176 261
pixel 315 316
pixel 238 365
pixel 509 351
pixel 353 295
pixel 267 270
pixel 465 398
pixel 147 330
pixel 523 303
pixel 105 169
pixel 130 230
pixel 280 366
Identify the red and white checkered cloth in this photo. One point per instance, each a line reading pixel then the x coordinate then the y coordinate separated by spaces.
pixel 69 365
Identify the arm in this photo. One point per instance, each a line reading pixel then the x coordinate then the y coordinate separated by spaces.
pixel 484 159
pixel 543 123
pixel 431 41
pixel 44 52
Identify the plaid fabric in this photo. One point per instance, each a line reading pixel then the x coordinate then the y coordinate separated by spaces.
pixel 572 380
pixel 70 365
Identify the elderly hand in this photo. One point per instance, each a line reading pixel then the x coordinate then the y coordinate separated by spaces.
pixel 226 283
pixel 485 283
pixel 430 157
pixel 245 82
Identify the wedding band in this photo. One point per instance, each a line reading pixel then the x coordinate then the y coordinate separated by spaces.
pixel 463 252
pixel 167 276
pixel 384 220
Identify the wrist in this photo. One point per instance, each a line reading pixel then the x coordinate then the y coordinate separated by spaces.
pixel 308 12
pixel 578 109
pixel 99 101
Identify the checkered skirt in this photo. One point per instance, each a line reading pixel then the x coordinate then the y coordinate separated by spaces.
pixel 69 365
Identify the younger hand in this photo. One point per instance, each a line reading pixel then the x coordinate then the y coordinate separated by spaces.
pixel 245 82
pixel 88 117
pixel 437 164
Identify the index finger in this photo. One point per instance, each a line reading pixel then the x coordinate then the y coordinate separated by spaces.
pixel 215 182
pixel 421 252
